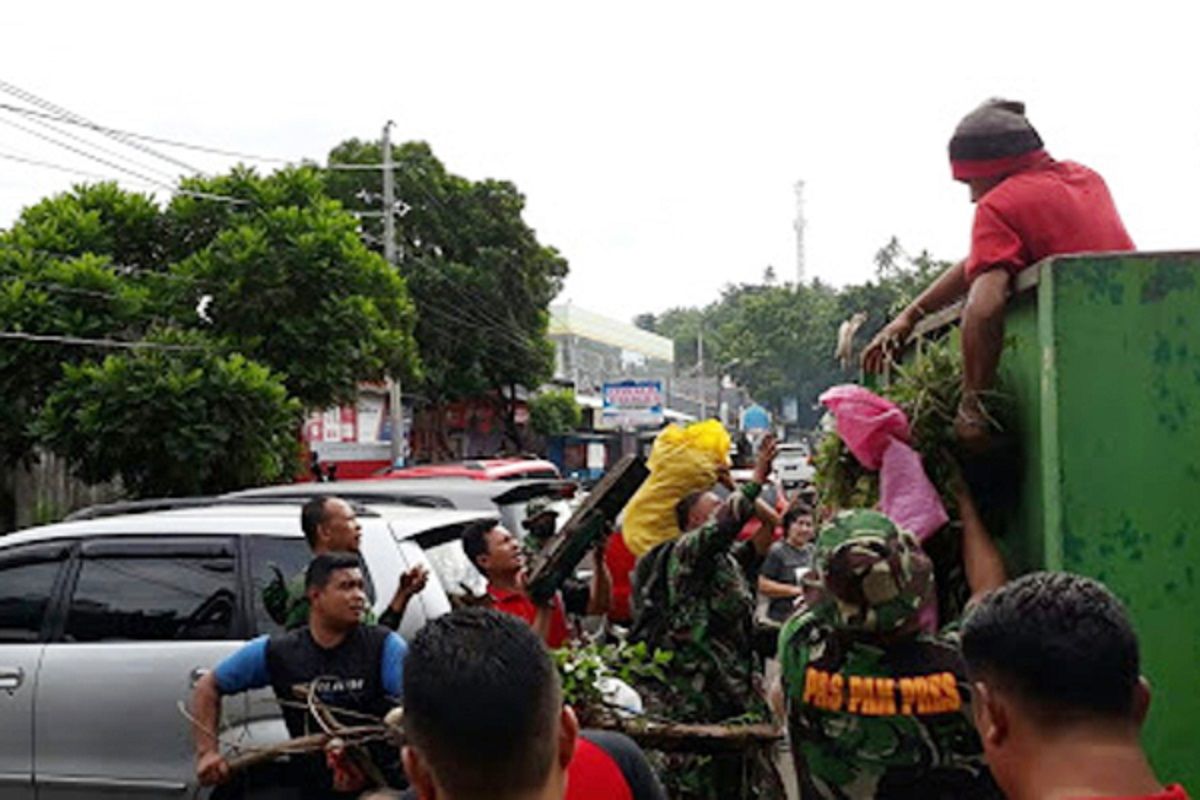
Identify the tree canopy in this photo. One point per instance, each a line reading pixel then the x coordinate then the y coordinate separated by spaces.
pixel 779 340
pixel 279 304
pixel 479 278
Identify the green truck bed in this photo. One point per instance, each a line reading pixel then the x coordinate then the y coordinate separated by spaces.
pixel 1102 368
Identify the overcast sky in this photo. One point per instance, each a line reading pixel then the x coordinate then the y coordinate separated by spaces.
pixel 657 142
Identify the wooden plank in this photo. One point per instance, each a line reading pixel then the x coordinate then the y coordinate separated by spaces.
pixel 598 513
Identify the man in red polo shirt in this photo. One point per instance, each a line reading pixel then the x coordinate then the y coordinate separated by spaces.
pixel 1058 695
pixel 1028 207
pixel 500 557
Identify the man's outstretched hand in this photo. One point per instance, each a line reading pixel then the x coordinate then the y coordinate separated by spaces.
pixel 212 768
pixel 764 462
pixel 414 580
pixel 887 343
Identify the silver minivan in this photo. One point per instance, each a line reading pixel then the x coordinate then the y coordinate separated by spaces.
pixel 106 624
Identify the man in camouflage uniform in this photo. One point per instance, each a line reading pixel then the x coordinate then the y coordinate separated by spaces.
pixel 708 622
pixel 540 523
pixel 878 701
pixel 331 525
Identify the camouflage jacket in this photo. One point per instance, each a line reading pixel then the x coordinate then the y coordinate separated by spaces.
pixel 711 612
pixel 869 720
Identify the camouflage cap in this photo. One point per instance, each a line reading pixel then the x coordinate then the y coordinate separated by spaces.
pixel 870 576
pixel 536 508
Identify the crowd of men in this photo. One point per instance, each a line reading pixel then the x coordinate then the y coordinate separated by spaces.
pixel 1035 692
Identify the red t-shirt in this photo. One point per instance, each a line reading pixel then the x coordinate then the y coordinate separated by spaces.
pixel 518 604
pixel 620 561
pixel 593 775
pixel 1172 792
pixel 1052 208
pixel 609 766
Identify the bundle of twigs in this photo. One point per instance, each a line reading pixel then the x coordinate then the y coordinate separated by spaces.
pixel 334 735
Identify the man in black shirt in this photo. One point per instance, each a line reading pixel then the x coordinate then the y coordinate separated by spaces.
pixel 352 667
pixel 484 718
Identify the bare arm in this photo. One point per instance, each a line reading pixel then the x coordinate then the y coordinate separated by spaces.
pixel 765 535
pixel 983 330
pixel 600 596
pixel 541 621
pixel 981 560
pixel 775 589
pixel 410 585
pixel 947 289
pixel 211 767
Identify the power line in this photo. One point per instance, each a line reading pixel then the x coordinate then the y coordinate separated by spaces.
pixel 144 137
pixel 47 165
pixel 82 341
pixel 33 99
pixel 83 153
pixel 199 148
pixel 97 147
pixel 143 179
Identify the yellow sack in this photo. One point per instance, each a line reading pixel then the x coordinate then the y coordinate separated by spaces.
pixel 683 460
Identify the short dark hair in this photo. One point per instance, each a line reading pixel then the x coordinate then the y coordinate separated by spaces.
pixel 1060 642
pixel 311 517
pixel 474 539
pixel 322 567
pixel 683 509
pixel 796 510
pixel 481 703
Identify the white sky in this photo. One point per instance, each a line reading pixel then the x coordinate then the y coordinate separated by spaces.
pixel 656 142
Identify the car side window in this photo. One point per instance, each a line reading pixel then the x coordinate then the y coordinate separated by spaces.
pixel 273 561
pixel 26 587
pixel 276 562
pixel 153 598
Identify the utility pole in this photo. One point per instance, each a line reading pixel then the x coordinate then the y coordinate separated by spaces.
pixel 700 370
pixel 389 253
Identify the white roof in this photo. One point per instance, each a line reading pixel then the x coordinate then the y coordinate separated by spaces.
pixel 571 320
pixel 235 519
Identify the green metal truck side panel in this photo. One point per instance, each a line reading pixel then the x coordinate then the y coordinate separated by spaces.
pixel 1102 369
pixel 1127 332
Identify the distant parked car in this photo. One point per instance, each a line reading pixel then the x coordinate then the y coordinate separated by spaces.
pixel 488 469
pixel 794 464
pixel 106 624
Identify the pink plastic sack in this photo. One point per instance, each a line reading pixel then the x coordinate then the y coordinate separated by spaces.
pixel 876 432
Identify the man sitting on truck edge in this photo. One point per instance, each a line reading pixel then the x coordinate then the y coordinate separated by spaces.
pixel 1028 206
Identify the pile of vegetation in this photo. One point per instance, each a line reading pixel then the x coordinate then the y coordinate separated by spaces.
pixel 583 668
pixel 927 389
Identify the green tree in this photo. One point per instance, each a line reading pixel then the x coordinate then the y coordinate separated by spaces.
pixel 174 423
pixel 293 287
pixel 647 322
pixel 554 413
pixel 46 297
pixel 480 279
pixel 782 340
pixel 286 284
